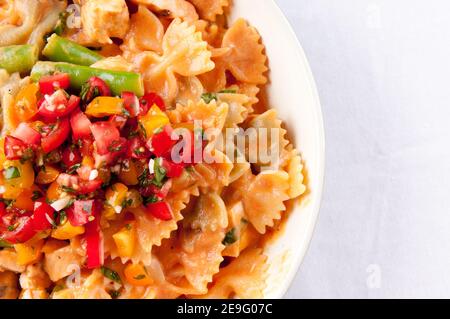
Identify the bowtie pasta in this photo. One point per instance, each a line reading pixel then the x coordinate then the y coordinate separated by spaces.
pixel 138 157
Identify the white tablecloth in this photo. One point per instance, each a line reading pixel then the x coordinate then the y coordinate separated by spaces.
pixel 383 73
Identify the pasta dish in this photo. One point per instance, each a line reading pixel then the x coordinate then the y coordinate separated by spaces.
pixel 139 157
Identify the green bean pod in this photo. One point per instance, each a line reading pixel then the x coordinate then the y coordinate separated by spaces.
pixel 18 58
pixel 118 81
pixel 59 49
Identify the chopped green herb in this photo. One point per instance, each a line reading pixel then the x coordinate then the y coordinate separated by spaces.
pixel 62 22
pixel 68 189
pixel 7 202
pixel 138 151
pixel 72 169
pixel 12 172
pixel 208 97
pixel 62 217
pixel 126 203
pixel 160 173
pixel 230 237
pixel 150 200
pixel 158 130
pixel 125 112
pixel 111 274
pixel 142 129
pixel 27 155
pixel 114 294
pixel 4 244
pixel 230 91
pixel 139 277
pixel 11 227
pixel 144 178
pixel 115 146
pixel 36 195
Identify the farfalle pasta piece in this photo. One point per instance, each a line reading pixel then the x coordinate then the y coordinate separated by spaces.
pixel 184 53
pixel 27 13
pixel 267 142
pixel 238 112
pixel 146 32
pixel 291 162
pixel 264 199
pixel 214 175
pixel 243 278
pixel 246 60
pixel 212 115
pixel 173 8
pixel 209 213
pixel 209 9
pixel 103 19
pixel 92 286
pixel 189 89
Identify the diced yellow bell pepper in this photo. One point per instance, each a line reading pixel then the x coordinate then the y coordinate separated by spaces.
pixel 88 161
pixel 108 212
pixel 18 174
pixel 29 252
pixel 129 175
pixel 134 198
pixel 67 231
pixel 105 106
pixel 2 151
pixel 125 240
pixel 54 191
pixel 47 175
pixel 25 104
pixel 137 275
pixel 116 195
pixel 153 120
pixel 25 199
pixel 186 125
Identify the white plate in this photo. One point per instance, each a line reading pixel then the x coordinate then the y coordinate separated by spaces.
pixel 292 92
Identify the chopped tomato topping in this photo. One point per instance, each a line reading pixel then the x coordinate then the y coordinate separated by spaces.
pixel 131 103
pixel 21 231
pixel 57 134
pixel 161 143
pixel 57 105
pixel 106 136
pixel 148 100
pixel 173 170
pixel 94 87
pixel 137 149
pixel 42 216
pixel 82 211
pixel 27 134
pixel 14 148
pixel 81 125
pixel 49 83
pixel 94 243
pixel 71 156
pixel 160 210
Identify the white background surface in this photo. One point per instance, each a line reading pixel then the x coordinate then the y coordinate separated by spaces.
pixel 383 74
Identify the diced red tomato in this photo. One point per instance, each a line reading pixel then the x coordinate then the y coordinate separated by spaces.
pixel 137 148
pixel 71 156
pixel 49 83
pixel 27 134
pixel 118 121
pixel 2 210
pixel 147 101
pixel 81 211
pixel 94 87
pixel 161 143
pixel 23 231
pixel 160 210
pixel 57 135
pixel 42 216
pixel 81 125
pixel 173 170
pixel 86 187
pixel 105 135
pixel 131 103
pixel 94 243
pixel 57 105
pixel 14 148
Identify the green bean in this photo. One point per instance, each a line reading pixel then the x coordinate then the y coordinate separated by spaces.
pixel 59 49
pixel 18 58
pixel 118 81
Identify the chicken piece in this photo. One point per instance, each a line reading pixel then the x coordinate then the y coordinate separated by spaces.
pixel 8 261
pixel 34 277
pixel 61 262
pixel 8 285
pixel 34 294
pixel 104 19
